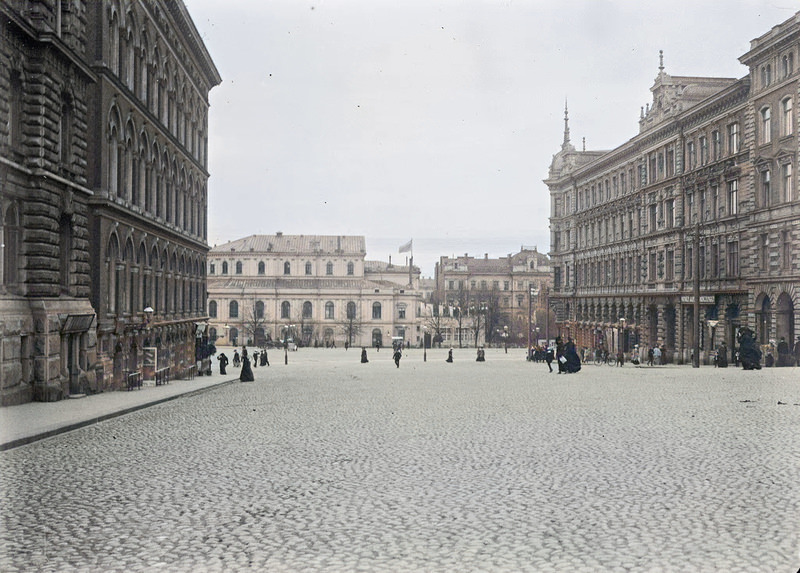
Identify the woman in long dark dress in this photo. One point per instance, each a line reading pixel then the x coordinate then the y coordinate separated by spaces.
pixel 247 371
pixel 573 363
pixel 449 355
pixel 223 362
pixel 749 353
pixel 364 355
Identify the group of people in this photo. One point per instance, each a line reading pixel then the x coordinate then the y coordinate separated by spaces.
pixel 246 373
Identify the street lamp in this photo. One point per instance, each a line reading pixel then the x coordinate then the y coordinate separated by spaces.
pixel 289 329
pixel 621 337
pixel 424 344
pixel 505 338
pixel 534 291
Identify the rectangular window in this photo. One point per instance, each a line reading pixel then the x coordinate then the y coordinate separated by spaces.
pixel 714 260
pixel 763 255
pixel 733 138
pixel 653 218
pixel 669 213
pixel 716 145
pixel 703 150
pixel 786 175
pixel 651 267
pixel 714 201
pixel 786 248
pixel 691 156
pixel 670 265
pixel 702 262
pixel 765 188
pixel 451 285
pixel 688 263
pixel 622 183
pixel 211 269
pixel 733 197
pixel 670 162
pixel 652 168
pixel 733 258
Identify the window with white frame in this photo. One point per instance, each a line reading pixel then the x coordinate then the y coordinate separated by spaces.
pixel 786 176
pixel 733 197
pixel 787 117
pixel 733 138
pixel 766 125
pixel 329 310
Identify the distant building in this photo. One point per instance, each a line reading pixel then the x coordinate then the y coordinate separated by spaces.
pixel 482 300
pixel 317 290
pixel 705 195
pixel 103 137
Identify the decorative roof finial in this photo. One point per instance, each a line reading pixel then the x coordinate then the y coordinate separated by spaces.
pixel 661 61
pixel 566 124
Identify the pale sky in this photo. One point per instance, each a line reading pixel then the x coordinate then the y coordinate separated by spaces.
pixel 435 120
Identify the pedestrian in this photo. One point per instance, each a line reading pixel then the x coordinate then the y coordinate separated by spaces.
pixel 783 353
pixel 481 355
pixel 223 362
pixel 364 355
pixel 797 352
pixel 264 357
pixel 560 355
pixel 651 354
pixel 449 355
pixel 572 362
pixel 722 355
pixel 236 360
pixel 397 356
pixel 246 374
pixel 255 359
pixel 620 358
pixel 346 345
pixel 548 357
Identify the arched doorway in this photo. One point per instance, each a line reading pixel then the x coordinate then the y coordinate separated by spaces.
pixel 763 319
pixel 377 338
pixel 784 318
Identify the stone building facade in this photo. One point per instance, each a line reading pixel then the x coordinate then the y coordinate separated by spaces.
pixel 497 300
pixel 316 290
pixel 95 100
pixel 702 205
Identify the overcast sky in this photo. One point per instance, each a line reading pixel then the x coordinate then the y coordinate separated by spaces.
pixel 435 120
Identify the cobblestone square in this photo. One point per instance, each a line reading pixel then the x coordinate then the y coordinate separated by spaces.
pixel 329 465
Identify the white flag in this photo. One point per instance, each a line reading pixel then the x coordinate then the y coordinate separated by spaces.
pixel 405 248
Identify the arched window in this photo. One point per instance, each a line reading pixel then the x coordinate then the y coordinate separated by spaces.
pixel 260 309
pixel 261 268
pixel 234 336
pixel 329 268
pixel 766 125
pixel 350 269
pixel 212 309
pixel 351 310
pixel 238 267
pixel 224 267
pixel 285 309
pixel 307 309
pixel 11 255
pixel 329 309
pixel 308 268
pixel 787 121
pixel 234 309
pixel 376 310
pixel 287 268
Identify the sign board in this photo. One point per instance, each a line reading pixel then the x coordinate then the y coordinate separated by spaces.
pixel 150 356
pixel 704 299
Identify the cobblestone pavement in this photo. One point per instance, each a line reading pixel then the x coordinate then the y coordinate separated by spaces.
pixel 333 466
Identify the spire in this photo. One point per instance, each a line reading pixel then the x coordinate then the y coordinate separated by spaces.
pixel 661 61
pixel 566 126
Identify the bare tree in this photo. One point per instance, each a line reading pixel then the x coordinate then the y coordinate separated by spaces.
pixel 254 324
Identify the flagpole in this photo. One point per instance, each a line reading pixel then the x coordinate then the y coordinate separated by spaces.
pixel 411 264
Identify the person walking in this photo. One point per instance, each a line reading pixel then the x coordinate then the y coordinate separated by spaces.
pixel 548 357
pixel 246 374
pixel 255 359
pixel 364 355
pixel 236 360
pixel 783 353
pixel 264 357
pixel 397 356
pixel 651 354
pixel 449 355
pixel 797 352
pixel 223 362
pixel 657 356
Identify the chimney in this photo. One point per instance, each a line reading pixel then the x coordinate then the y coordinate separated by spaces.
pixel 485 256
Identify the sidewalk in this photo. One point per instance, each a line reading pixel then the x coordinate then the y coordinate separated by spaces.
pixel 26 423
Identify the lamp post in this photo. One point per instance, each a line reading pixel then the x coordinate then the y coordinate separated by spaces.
pixel 505 338
pixel 621 337
pixel 424 344
pixel 289 329
pixel 531 293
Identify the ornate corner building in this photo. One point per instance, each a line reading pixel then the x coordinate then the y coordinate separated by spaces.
pixel 103 171
pixel 486 300
pixel 701 206
pixel 316 290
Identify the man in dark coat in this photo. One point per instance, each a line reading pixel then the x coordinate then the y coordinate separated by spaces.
pixel 722 355
pixel 783 353
pixel 573 363
pixel 397 356
pixel 449 355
